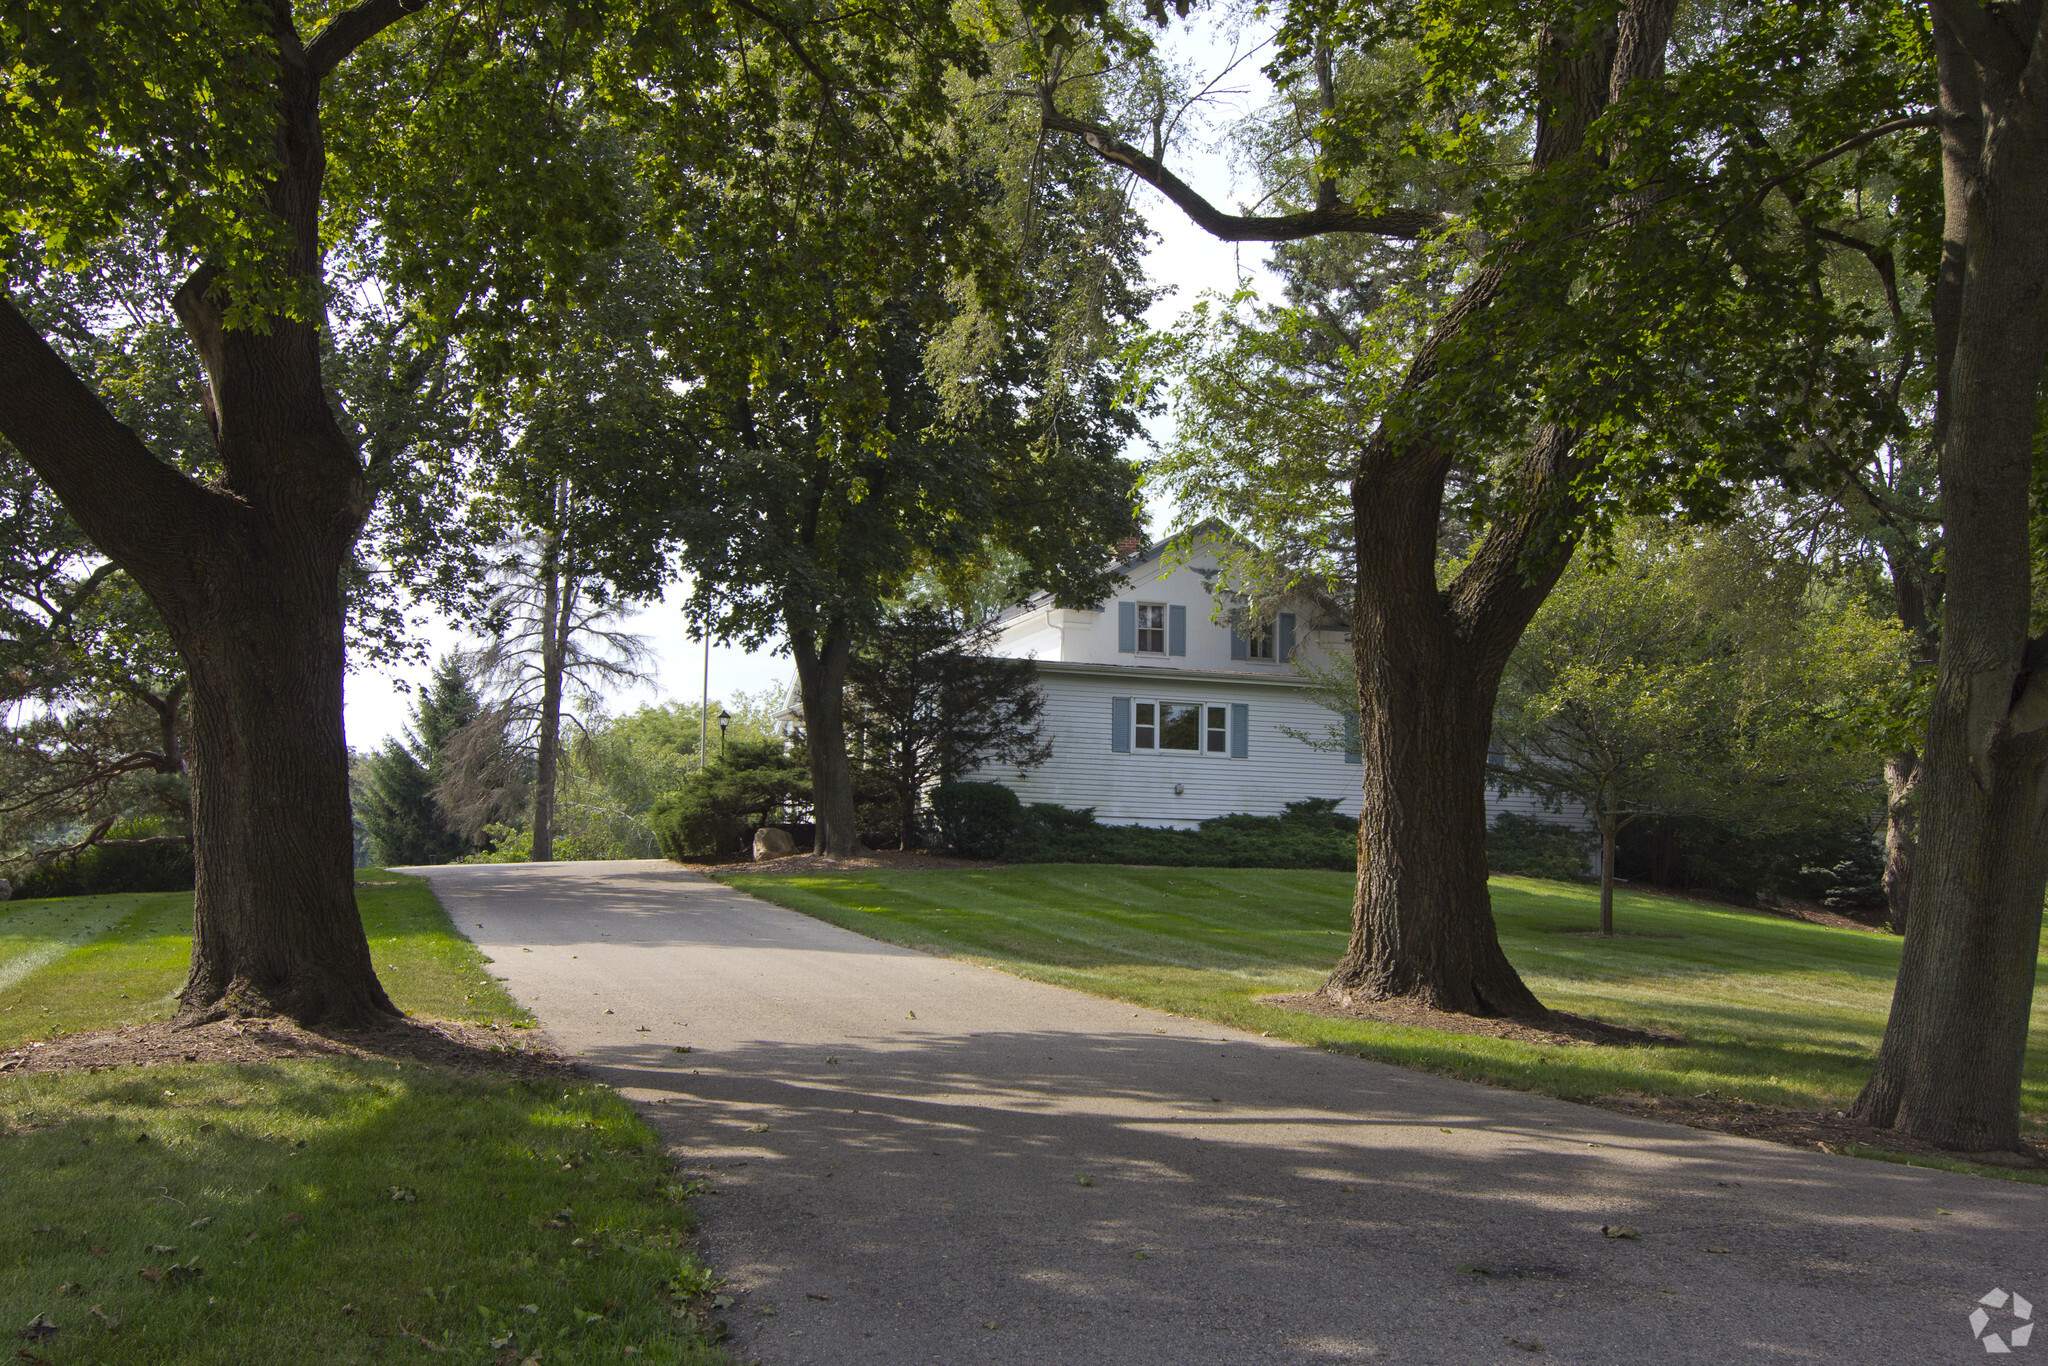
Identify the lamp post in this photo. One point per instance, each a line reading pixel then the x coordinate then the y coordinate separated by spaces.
pixel 724 720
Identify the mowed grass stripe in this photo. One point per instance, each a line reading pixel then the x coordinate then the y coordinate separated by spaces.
pixel 34 934
pixel 132 972
pixel 1772 1010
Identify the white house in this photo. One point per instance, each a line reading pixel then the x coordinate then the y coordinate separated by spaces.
pixel 1160 713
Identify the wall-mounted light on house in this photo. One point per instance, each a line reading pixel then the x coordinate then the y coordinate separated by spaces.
pixel 724 720
pixel 1180 790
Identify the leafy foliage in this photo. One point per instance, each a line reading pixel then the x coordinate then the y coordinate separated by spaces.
pixel 397 806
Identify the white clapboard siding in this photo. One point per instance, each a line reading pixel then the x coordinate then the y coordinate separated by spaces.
pixel 1138 788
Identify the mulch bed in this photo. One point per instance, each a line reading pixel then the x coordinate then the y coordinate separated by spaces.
pixel 475 1050
pixel 1830 1131
pixel 1559 1027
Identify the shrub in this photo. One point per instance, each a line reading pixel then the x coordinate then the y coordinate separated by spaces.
pixel 109 868
pixel 1539 848
pixel 1310 835
pixel 977 820
pixel 719 808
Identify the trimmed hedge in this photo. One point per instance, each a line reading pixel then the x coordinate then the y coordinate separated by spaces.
pixel 106 869
pixel 978 823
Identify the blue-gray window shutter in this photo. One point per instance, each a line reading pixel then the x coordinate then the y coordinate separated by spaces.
pixel 1127 627
pixel 1239 646
pixel 1286 641
pixel 1176 630
pixel 1240 729
pixel 1352 754
pixel 1120 725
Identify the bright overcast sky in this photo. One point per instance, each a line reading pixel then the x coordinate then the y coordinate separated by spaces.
pixel 1182 256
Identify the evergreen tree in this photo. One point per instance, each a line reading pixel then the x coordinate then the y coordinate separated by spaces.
pixel 398 807
pixel 930 704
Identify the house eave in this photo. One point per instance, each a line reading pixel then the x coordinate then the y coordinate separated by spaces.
pixel 1257 678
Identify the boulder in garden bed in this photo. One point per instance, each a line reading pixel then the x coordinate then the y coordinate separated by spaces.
pixel 770 842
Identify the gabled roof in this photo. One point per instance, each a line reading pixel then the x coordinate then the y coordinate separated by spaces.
pixel 1210 528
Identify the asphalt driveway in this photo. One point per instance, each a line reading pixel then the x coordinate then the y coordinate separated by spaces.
pixel 910 1159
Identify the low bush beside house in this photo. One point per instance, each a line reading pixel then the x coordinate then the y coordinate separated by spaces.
pixel 986 820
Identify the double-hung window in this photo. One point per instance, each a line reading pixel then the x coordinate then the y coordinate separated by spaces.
pixel 1259 644
pixel 1151 628
pixel 1218 730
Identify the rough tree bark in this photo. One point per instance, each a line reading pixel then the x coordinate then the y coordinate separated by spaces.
pixel 1948 1070
pixel 555 608
pixel 821 677
pixel 246 574
pixel 1430 659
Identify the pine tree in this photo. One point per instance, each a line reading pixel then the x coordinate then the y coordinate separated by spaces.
pixel 398 807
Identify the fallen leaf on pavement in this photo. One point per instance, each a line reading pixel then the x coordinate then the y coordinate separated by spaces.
pixel 1617 1231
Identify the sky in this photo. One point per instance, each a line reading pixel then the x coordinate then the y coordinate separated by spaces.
pixel 379 700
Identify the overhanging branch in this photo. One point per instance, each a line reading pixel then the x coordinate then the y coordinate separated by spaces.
pixel 353 27
pixel 1405 224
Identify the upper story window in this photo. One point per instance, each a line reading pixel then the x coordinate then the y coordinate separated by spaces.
pixel 1151 628
pixel 1259 644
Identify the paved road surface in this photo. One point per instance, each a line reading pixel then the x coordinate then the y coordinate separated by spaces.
pixel 921 1161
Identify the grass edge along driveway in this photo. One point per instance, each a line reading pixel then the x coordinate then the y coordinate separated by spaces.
pixel 1773 1010
pixel 334 1210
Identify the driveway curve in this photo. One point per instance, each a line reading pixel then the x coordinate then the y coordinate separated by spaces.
pixel 914 1160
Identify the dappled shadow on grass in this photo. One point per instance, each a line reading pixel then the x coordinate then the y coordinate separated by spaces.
pixel 301 1211
pixel 1336 1196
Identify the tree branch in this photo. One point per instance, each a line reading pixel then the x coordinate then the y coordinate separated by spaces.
pixel 353 27
pixel 1405 224
pixel 136 508
pixel 1840 149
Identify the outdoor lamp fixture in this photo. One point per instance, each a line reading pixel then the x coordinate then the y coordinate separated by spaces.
pixel 724 720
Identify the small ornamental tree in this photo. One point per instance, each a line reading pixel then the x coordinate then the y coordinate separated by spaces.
pixel 1690 675
pixel 929 704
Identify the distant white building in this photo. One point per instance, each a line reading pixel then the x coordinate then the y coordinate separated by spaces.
pixel 1160 713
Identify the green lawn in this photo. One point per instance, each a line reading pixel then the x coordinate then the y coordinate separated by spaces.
pixel 134 967
pixel 1772 1010
pixel 332 1211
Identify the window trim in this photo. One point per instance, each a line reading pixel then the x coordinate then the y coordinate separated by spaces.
pixel 1138 641
pixel 1208 729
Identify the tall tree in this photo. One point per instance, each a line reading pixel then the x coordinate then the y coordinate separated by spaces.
pixel 1555 219
pixel 554 639
pixel 234 143
pixel 930 703
pixel 1949 1068
pixel 404 822
pixel 947 398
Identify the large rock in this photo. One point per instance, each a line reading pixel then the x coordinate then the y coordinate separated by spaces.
pixel 771 842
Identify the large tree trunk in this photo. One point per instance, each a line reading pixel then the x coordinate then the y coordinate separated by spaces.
pixel 246 573
pixel 1429 665
pixel 1949 1068
pixel 275 926
pixel 821 676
